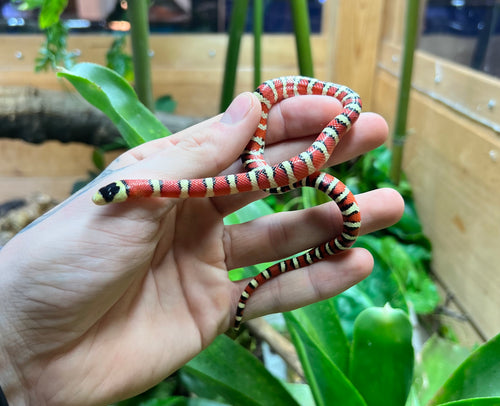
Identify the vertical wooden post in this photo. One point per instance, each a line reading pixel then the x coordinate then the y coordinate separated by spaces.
pixel 353 29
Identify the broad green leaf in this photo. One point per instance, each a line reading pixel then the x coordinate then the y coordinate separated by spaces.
pixel 329 385
pixel 236 375
pixel 408 228
pixel 477 376
pixel 321 323
pixel 301 392
pixel 110 93
pixel 119 60
pixel 382 357
pixel 475 402
pixel 166 103
pixel 171 401
pixel 437 361
pixel 51 10
pixel 381 286
pixel 348 305
pixel 204 402
pixel 411 274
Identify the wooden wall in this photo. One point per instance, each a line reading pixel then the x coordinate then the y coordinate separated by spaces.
pixel 452 154
pixel 452 159
pixel 188 67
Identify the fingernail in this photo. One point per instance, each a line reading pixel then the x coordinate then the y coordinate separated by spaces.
pixel 238 109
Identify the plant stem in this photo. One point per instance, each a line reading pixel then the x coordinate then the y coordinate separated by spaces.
pixel 300 14
pixel 258 13
pixel 139 33
pixel 236 28
pixel 398 139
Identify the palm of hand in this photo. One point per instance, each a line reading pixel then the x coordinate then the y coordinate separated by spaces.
pixel 151 292
pixel 122 296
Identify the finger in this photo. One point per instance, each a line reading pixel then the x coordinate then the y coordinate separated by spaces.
pixel 307 285
pixel 203 150
pixel 281 235
pixel 297 119
pixel 369 132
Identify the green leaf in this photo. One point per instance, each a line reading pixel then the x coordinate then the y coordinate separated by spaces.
pixel 408 228
pixel 348 305
pixel 98 158
pixel 118 59
pixel 51 10
pixel 233 373
pixel 437 360
pixel 30 5
pixel 250 212
pixel 110 93
pixel 412 275
pixel 301 392
pixel 328 384
pixel 171 401
pixel 494 401
pixel 204 402
pixel 381 286
pixel 381 364
pixel 477 376
pixel 166 104
pixel 321 323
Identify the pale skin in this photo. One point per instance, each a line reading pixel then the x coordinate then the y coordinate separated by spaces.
pixel 100 303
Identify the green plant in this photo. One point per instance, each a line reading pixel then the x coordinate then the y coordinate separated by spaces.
pixel 335 339
pixel 226 373
pixel 411 35
pixel 53 51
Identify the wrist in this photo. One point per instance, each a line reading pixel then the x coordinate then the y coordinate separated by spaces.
pixel 11 383
pixel 11 379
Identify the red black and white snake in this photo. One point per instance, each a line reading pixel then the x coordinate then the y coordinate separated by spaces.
pixel 299 171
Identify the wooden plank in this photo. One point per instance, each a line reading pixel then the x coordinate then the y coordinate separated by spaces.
pixel 358 29
pixel 52 158
pixel 453 166
pixel 393 21
pixel 51 167
pixel 187 66
pixel 467 91
pixel 58 188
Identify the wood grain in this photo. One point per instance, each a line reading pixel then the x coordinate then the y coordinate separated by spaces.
pixel 358 28
pixel 455 178
pixel 188 67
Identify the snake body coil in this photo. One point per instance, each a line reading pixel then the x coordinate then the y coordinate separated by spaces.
pixel 299 171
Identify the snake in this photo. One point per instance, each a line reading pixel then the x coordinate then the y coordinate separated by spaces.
pixel 302 170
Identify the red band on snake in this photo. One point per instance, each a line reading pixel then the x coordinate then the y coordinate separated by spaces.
pixel 299 171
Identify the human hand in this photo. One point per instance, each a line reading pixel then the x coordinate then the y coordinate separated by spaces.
pixel 100 303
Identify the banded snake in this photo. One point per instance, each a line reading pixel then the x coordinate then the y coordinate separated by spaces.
pixel 299 171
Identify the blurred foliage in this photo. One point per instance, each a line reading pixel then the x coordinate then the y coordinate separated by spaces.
pixel 119 60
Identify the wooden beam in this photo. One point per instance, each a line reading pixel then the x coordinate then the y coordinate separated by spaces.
pixel 358 26
pixel 453 163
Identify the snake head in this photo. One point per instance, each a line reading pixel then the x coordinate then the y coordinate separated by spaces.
pixel 113 193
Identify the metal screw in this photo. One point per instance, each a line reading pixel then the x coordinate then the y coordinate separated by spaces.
pixel 18 55
pixel 212 53
pixel 438 74
pixel 491 104
pixel 151 53
pixel 493 155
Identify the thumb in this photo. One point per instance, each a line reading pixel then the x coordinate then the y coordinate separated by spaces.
pixel 224 140
pixel 203 150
